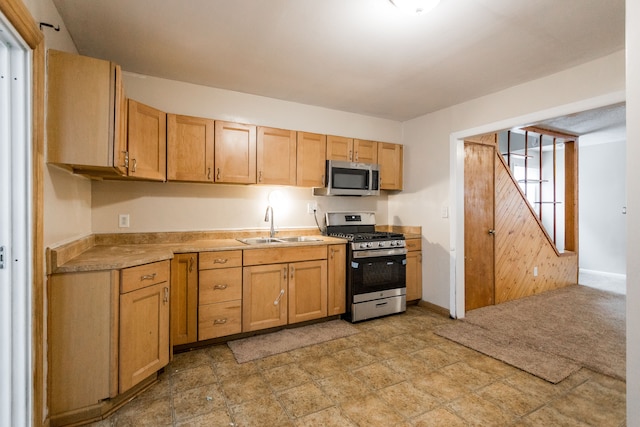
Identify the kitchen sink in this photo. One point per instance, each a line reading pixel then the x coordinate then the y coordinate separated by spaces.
pixel 264 240
pixel 300 239
pixel 259 240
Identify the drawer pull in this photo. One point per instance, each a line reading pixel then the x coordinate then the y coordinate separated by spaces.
pixel 220 287
pixel 220 260
pixel 277 301
pixel 220 321
pixel 148 276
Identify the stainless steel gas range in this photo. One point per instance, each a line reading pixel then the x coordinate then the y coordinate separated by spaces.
pixel 376 265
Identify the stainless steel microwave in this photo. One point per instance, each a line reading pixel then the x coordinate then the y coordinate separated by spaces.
pixel 350 179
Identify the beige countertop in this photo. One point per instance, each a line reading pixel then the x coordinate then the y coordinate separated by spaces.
pixel 86 255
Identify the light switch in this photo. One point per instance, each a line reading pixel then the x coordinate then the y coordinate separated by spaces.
pixel 123 221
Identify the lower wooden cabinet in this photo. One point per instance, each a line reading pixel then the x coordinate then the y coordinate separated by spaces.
pixel 307 291
pixel 264 296
pixel 414 269
pixel 144 323
pixel 220 294
pixel 82 338
pixel 337 279
pixel 184 298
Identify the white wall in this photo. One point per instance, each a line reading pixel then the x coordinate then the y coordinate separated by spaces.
pixel 429 155
pixel 603 228
pixel 633 211
pixel 156 206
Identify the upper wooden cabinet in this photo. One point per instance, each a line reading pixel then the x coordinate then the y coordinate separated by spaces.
pixel 189 148
pixel 276 156
pixel 147 140
pixel 235 153
pixel 351 150
pixel 390 160
pixel 311 159
pixel 365 151
pixel 339 148
pixel 86 115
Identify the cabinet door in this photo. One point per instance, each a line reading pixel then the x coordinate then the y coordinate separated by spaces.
pixel 264 296
pixel 235 153
pixel 311 159
pixel 276 156
pixel 82 336
pixel 340 148
pixel 84 114
pixel 307 290
pixel 184 299
pixel 144 333
pixel 365 151
pixel 414 275
pixel 336 279
pixel 390 160
pixel 147 138
pixel 189 148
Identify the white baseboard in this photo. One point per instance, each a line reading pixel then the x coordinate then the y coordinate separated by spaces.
pixel 604 273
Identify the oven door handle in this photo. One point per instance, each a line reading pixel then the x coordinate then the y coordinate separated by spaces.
pixel 375 253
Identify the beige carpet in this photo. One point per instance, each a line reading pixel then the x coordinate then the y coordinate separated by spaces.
pixel 259 346
pixel 550 335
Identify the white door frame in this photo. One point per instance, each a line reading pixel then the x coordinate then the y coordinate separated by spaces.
pixel 456 182
pixel 16 274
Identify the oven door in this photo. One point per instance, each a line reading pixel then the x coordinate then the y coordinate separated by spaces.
pixel 377 270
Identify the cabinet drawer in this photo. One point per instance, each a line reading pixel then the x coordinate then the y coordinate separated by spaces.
pixel 218 320
pixel 220 285
pixel 221 259
pixel 413 244
pixel 133 278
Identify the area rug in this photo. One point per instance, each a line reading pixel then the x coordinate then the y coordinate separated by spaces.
pixel 550 335
pixel 257 347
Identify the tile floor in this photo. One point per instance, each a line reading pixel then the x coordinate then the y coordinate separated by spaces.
pixel 395 372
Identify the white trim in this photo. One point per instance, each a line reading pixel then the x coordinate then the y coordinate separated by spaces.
pixel 16 360
pixel 604 274
pixel 456 185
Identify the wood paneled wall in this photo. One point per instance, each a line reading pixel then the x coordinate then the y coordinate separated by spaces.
pixel 522 244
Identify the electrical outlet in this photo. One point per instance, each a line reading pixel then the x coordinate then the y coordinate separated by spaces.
pixel 444 212
pixel 535 271
pixel 123 220
pixel 312 207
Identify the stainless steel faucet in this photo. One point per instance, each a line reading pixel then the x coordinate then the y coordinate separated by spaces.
pixel 268 217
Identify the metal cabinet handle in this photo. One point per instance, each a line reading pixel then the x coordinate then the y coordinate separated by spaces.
pixel 293 270
pixel 135 165
pixel 208 173
pixel 284 273
pixel 218 174
pixel 166 295
pixel 332 252
pixel 220 260
pixel 357 156
pixel 220 287
pixel 220 321
pixel 350 155
pixel 148 277
pixel 277 301
pixel 492 232
pixel 191 262
pixel 260 176
pixel 126 159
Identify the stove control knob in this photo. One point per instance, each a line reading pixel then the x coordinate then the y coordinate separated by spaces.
pixel 392 243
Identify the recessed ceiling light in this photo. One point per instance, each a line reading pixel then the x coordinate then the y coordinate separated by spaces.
pixel 415 7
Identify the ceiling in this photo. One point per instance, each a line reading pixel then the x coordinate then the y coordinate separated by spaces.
pixel 360 56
